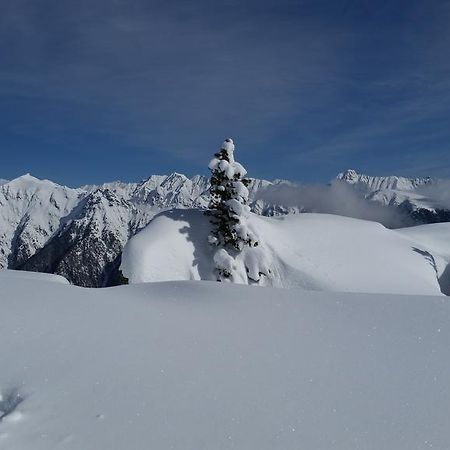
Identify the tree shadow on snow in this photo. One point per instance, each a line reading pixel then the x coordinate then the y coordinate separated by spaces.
pixel 9 400
pixel 444 279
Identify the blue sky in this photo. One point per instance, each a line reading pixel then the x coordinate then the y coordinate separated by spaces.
pixel 98 90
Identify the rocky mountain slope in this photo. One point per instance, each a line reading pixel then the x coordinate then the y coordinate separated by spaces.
pixel 86 246
pixel 80 233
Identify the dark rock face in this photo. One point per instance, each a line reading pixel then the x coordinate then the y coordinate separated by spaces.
pixel 422 216
pixel 88 244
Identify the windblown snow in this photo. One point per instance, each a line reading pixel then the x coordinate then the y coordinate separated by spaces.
pixel 310 251
pixel 201 365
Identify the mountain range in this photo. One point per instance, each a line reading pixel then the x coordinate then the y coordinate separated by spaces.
pixel 80 232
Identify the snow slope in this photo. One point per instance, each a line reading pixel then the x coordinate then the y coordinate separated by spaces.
pixel 30 213
pixel 434 242
pixel 191 366
pixel 312 251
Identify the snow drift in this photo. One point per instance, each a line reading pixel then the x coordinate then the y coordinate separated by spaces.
pixel 189 366
pixel 434 244
pixel 311 251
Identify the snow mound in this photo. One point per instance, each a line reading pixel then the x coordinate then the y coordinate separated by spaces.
pixel 310 251
pixel 189 366
pixel 434 243
pixel 168 249
pixel 33 276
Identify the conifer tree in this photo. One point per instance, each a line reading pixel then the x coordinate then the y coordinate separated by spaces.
pixel 228 208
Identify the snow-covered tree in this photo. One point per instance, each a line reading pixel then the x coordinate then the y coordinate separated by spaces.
pixel 228 209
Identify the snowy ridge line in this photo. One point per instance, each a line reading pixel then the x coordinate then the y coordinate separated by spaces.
pixel 384 182
pixel 415 193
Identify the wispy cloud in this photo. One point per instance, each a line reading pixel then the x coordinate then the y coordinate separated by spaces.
pixel 336 198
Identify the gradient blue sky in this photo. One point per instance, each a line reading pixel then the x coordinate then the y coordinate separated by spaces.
pixel 96 90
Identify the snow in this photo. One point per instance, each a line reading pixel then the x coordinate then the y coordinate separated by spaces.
pixel 165 249
pixel 312 251
pixel 224 262
pixel 434 243
pixel 19 276
pixel 383 182
pixel 31 211
pixel 230 167
pixel 201 365
pixel 434 236
pixel 393 190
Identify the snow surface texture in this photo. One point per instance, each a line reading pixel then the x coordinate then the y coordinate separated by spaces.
pixel 191 366
pixel 311 251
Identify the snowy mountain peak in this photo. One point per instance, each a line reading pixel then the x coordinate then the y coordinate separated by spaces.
pixel 27 186
pixel 383 182
pixel 175 180
pixel 350 175
pixel 411 193
pixel 27 180
pixel 152 182
pixel 30 214
pixel 178 175
pixel 27 176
